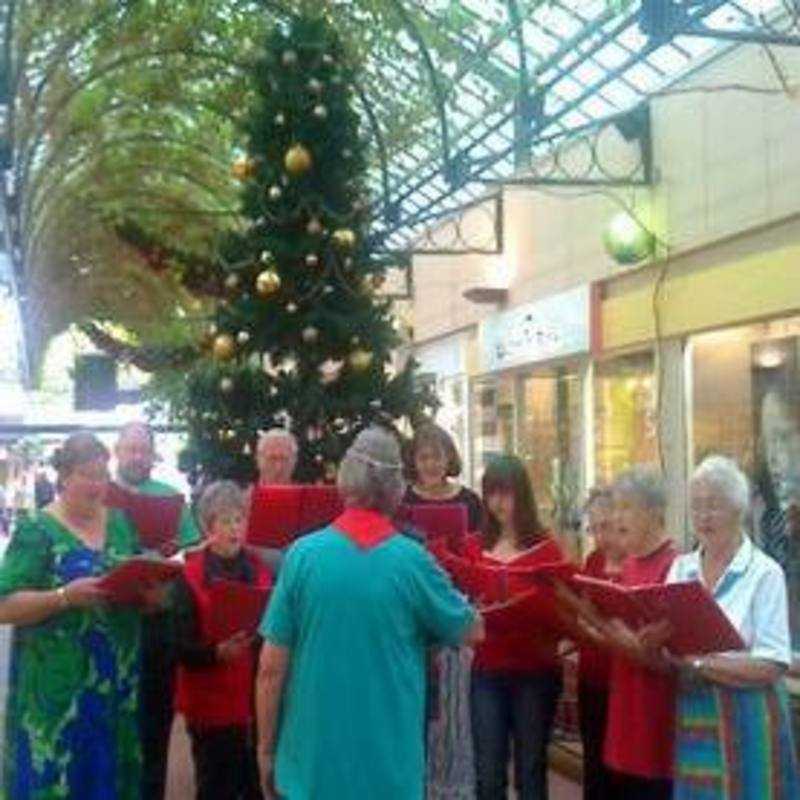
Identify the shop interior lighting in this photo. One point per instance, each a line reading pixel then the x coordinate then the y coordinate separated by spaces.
pixel 770 357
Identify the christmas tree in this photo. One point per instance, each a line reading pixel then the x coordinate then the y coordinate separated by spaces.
pixel 300 338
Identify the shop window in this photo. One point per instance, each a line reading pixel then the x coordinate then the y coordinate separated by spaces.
pixel 536 415
pixel 625 414
pixel 492 421
pixel 746 405
pixel 550 442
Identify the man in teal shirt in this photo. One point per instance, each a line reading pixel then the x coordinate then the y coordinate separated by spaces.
pixel 347 630
pixel 135 453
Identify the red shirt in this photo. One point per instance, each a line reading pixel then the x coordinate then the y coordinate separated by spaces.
pixel 522 650
pixel 641 708
pixel 595 663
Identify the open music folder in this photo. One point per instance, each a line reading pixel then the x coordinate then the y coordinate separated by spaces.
pixel 279 514
pixel 125 582
pixel 156 518
pixel 698 625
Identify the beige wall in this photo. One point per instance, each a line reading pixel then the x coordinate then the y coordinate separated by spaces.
pixel 727 162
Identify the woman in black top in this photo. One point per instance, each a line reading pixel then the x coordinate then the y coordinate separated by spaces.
pixel 433 465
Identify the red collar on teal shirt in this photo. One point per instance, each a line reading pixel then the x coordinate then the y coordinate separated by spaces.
pixel 364 527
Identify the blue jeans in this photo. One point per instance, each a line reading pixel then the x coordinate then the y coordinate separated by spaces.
pixel 517 707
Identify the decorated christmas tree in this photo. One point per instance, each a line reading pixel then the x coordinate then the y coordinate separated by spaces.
pixel 301 337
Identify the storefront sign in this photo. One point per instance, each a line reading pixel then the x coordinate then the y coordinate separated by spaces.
pixel 550 328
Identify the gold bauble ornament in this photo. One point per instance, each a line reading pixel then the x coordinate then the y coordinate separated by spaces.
pixel 268 282
pixel 226 385
pixel 360 359
pixel 232 281
pixel 344 239
pixel 243 168
pixel 297 160
pixel 224 347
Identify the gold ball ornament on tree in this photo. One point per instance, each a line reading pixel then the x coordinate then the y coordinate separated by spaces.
pixel 226 385
pixel 224 347
pixel 274 193
pixel 243 168
pixel 232 281
pixel 360 360
pixel 267 283
pixel 297 160
pixel 344 239
pixel 243 337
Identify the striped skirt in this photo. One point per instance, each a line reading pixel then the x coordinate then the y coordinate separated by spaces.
pixel 734 744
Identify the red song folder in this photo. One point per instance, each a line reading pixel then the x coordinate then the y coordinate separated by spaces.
pixel 124 583
pixel 445 522
pixel 279 514
pixel 699 625
pixel 235 607
pixel 156 518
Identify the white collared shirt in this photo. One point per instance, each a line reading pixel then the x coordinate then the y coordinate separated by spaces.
pixel 752 593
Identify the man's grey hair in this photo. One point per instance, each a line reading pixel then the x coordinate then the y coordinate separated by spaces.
pixel 219 497
pixel 723 475
pixel 278 433
pixel 371 473
pixel 645 482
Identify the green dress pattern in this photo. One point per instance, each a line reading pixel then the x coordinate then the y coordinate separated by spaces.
pixel 71 718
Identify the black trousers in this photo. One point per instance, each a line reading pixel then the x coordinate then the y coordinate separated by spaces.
pixel 225 764
pixel 592 714
pixel 510 707
pixel 632 787
pixel 157 685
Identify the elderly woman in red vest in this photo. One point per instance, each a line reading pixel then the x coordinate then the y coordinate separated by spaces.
pixel 215 678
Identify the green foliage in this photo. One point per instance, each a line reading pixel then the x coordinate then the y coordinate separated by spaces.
pixel 325 312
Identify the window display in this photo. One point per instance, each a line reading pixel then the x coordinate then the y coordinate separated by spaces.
pixel 625 414
pixel 537 415
pixel 746 404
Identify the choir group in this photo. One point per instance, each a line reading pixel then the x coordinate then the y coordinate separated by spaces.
pixel 375 658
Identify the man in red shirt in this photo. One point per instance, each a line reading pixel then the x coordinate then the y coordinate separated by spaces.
pixel 640 731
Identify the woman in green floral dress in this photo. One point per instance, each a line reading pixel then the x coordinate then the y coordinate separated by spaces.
pixel 72 727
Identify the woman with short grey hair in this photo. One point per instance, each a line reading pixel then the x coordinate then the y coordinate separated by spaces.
pixel 346 634
pixel 639 732
pixel 734 697
pixel 371 473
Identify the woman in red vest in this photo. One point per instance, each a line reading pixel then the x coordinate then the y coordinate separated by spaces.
pixel 516 675
pixel 215 678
